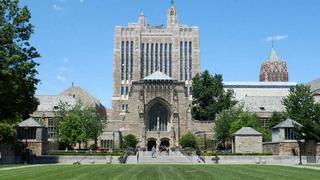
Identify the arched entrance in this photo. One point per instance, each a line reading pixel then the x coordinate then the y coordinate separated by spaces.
pixel 165 142
pixel 158 117
pixel 151 143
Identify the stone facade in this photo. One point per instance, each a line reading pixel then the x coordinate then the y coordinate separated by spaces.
pixel 247 140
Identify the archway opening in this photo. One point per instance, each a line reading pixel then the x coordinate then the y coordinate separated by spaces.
pixel 165 143
pixel 158 118
pixel 151 143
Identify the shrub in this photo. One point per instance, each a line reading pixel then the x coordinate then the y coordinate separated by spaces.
pixel 188 140
pixel 129 141
pixel 234 154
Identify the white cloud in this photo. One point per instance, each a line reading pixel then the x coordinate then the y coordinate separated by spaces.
pixel 81 1
pixel 61 78
pixel 66 60
pixel 276 38
pixel 62 68
pixel 55 7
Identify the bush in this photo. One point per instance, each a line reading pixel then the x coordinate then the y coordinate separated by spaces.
pixel 234 154
pixel 129 141
pixel 93 147
pixel 118 153
pixel 188 140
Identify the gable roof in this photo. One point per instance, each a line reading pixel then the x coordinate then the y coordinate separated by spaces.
pixel 157 76
pixel 31 122
pixel 288 123
pixel 247 131
pixel 263 103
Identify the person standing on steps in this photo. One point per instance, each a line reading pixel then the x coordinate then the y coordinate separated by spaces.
pixel 153 152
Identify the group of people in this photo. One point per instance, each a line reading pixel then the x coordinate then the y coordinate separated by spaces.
pixel 161 149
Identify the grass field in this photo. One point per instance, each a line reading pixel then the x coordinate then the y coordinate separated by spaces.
pixel 154 172
pixel 8 165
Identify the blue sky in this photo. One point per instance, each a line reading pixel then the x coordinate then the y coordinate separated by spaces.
pixel 75 38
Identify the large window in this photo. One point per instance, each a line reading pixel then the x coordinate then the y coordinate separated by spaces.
pixel 51 128
pixel 106 144
pixel 127 60
pixel 122 60
pixel 289 134
pixel 161 51
pixel 190 60
pixel 165 58
pixel 131 60
pixel 142 61
pixel 156 57
pixel 181 60
pixel 151 60
pixel 185 60
pixel 170 60
pixel 27 132
pixel 147 60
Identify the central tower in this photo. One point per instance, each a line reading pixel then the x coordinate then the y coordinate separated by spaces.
pixel 141 49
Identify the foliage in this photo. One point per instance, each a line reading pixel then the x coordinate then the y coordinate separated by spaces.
pixel 129 141
pixel 6 131
pixel 210 98
pixel 188 140
pixel 276 118
pixel 78 124
pixel 234 154
pixel 117 153
pixel 301 107
pixel 17 66
pixel 223 125
pixel 231 120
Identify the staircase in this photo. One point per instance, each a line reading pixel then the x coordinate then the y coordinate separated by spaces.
pixel 145 158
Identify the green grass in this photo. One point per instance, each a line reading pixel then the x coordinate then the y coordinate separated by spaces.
pixel 155 172
pixel 9 165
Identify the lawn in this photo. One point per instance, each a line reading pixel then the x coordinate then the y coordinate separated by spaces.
pixel 154 172
pixel 8 165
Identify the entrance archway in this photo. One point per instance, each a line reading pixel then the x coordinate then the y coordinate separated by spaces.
pixel 165 142
pixel 158 117
pixel 151 143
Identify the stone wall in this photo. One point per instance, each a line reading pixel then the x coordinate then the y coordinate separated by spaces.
pixel 247 144
pixel 283 148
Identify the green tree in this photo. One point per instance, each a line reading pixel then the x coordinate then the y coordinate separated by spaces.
pixel 223 125
pixel 78 120
pixel 276 118
pixel 301 107
pixel 129 141
pixel 210 98
pixel 17 66
pixel 188 140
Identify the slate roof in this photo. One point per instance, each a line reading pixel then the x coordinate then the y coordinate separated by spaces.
pixel 158 76
pixel 288 123
pixel 49 103
pixel 247 131
pixel 315 85
pixel 263 103
pixel 31 122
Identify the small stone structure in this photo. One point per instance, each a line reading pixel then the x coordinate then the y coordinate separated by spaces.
pixel 247 140
pixel 33 135
pixel 284 141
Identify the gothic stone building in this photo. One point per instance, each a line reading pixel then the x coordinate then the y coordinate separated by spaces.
pixel 153 71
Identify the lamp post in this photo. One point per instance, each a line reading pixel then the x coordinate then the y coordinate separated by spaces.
pixel 112 142
pixel 205 141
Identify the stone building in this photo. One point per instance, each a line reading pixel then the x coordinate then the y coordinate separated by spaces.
pixel 49 105
pixel 274 69
pixel 153 71
pixel 247 140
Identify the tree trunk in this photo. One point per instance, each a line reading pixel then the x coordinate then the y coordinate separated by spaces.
pixel 311 150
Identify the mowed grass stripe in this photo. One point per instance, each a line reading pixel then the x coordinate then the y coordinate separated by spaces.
pixel 155 172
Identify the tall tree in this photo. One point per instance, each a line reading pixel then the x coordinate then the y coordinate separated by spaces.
pixel 210 98
pixel 17 66
pixel 276 118
pixel 77 124
pixel 301 107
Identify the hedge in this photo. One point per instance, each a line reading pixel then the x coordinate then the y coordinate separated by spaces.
pixel 234 154
pixel 119 153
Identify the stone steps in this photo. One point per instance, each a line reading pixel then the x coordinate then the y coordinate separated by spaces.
pixel 146 158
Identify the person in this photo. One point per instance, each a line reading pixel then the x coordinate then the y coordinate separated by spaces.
pixel 199 158
pixel 153 152
pixel 167 150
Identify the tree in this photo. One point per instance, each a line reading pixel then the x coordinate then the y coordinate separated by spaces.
pixel 276 118
pixel 78 124
pixel 301 107
pixel 223 125
pixel 130 141
pixel 231 120
pixel 210 98
pixel 17 66
pixel 188 140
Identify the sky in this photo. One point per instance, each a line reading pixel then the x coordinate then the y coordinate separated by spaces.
pixel 75 38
